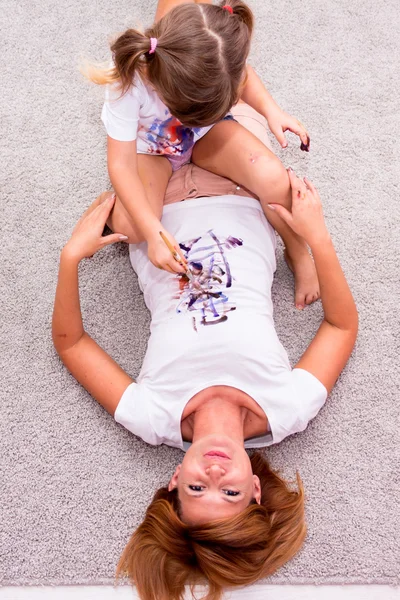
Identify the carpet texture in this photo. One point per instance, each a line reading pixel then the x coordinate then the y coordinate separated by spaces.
pixel 75 484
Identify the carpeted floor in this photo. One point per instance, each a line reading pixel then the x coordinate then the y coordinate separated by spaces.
pixel 75 484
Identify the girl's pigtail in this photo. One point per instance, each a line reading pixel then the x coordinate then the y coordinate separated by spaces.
pixel 242 11
pixel 128 52
pixel 99 73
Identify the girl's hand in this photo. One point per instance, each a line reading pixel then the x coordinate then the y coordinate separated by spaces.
pixel 306 218
pixel 86 238
pixel 161 256
pixel 279 122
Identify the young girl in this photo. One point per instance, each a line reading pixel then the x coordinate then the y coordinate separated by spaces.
pixel 168 99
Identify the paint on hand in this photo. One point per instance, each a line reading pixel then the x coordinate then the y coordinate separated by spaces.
pixel 305 147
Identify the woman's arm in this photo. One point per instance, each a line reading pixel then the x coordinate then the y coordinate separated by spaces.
pixel 257 96
pixel 86 361
pixel 330 349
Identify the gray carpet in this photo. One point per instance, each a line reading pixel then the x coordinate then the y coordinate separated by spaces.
pixel 74 483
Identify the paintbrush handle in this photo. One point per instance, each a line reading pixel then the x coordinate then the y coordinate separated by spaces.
pixel 176 256
pixel 170 247
pixel 168 244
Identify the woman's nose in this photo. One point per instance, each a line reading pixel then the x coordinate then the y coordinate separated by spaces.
pixel 215 471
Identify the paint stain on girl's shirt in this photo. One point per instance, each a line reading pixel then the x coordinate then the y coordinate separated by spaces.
pixel 169 137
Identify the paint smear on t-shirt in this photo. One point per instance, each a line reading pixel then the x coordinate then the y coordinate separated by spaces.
pixel 206 298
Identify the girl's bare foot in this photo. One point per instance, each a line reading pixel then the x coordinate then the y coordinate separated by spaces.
pixel 305 278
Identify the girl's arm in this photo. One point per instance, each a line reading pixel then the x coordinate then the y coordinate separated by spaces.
pixel 257 96
pixel 124 175
pixel 331 347
pixel 86 361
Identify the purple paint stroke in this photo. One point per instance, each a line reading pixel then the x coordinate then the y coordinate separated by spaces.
pixel 213 306
pixel 228 270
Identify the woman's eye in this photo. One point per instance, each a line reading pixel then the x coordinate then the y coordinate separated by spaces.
pixel 196 488
pixel 231 493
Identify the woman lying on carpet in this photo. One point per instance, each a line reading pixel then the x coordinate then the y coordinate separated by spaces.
pixel 215 380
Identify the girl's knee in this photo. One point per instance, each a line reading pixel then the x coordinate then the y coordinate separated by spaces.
pixel 268 166
pixel 278 172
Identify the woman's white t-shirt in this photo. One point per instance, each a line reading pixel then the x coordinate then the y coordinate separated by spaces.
pixel 218 330
pixel 140 115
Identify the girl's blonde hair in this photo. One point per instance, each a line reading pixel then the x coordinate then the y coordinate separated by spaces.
pixel 164 553
pixel 198 66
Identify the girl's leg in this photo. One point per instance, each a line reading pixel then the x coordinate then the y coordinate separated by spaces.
pixel 228 149
pixel 154 172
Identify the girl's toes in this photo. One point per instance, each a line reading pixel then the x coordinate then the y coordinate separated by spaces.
pixel 310 298
pixel 299 301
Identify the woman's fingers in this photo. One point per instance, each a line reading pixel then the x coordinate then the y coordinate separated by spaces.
pixel 98 216
pixel 282 212
pixel 297 185
pixel 310 186
pixel 106 240
pixel 106 206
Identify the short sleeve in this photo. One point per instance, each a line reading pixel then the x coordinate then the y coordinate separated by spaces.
pixel 132 413
pixel 120 114
pixel 310 395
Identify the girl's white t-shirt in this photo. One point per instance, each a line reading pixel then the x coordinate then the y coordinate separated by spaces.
pixel 216 330
pixel 141 115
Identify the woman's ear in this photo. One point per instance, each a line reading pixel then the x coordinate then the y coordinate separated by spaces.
pixel 174 479
pixel 256 489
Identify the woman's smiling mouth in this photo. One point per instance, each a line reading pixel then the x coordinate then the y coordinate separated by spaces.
pixel 217 454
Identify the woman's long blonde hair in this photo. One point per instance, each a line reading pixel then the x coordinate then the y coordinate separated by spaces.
pixel 164 553
pixel 198 66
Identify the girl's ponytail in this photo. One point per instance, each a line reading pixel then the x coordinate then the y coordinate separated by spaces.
pixel 242 12
pixel 127 53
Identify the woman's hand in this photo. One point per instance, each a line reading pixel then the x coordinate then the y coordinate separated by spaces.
pixel 306 218
pixel 162 256
pixel 279 122
pixel 86 238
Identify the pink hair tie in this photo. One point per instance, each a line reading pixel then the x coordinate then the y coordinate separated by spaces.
pixel 228 8
pixel 153 45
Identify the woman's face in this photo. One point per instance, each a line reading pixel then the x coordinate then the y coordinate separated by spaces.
pixel 214 481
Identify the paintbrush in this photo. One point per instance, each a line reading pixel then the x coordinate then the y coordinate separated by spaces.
pixel 176 256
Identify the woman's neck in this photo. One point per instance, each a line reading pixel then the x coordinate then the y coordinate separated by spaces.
pixel 219 416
